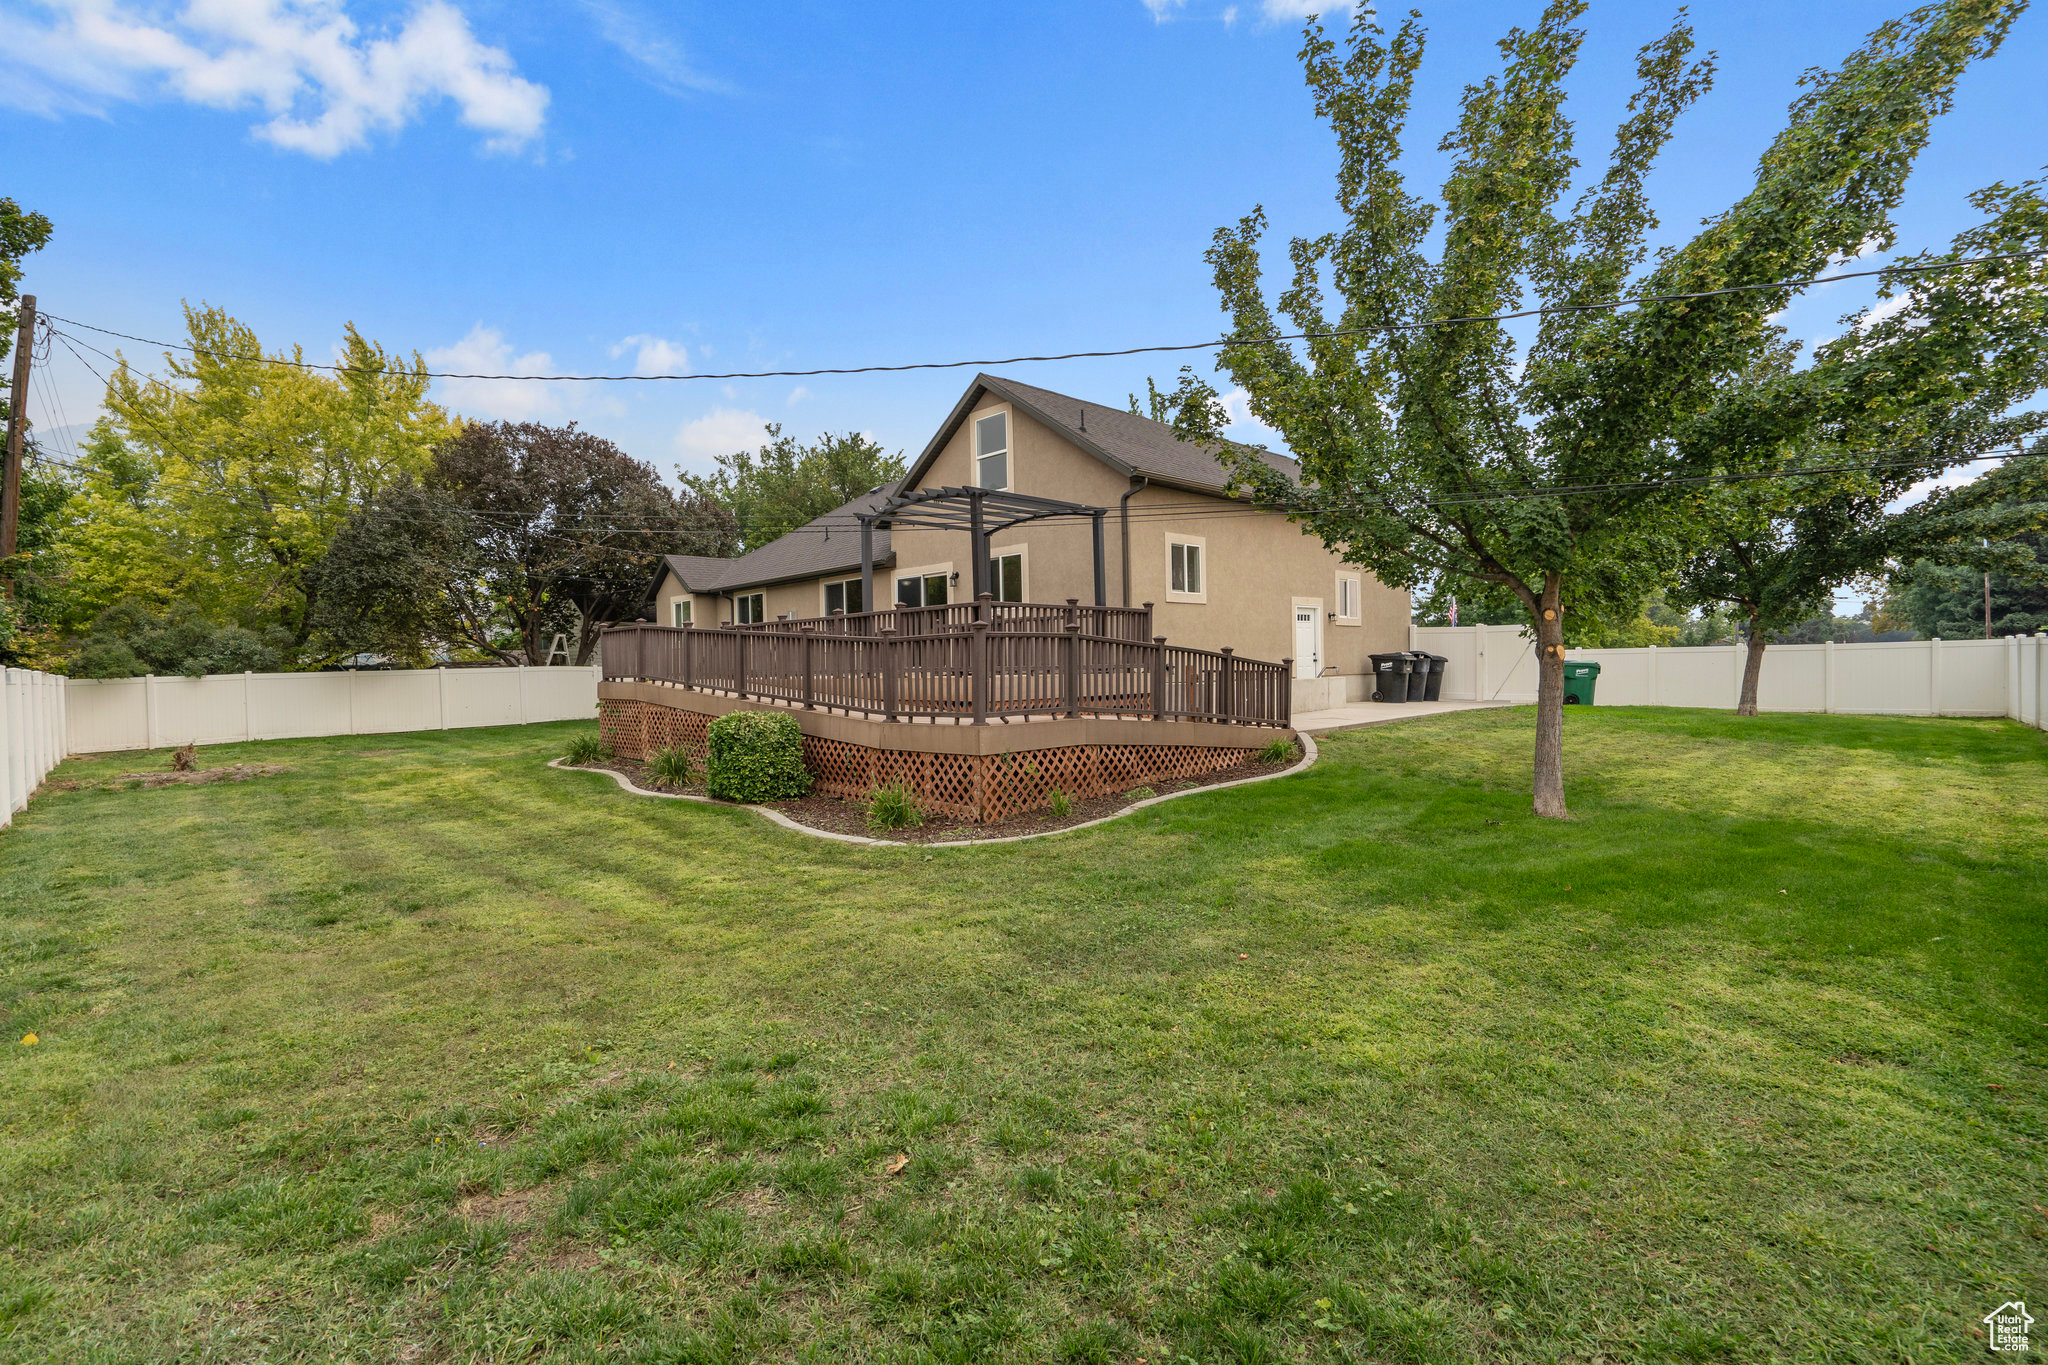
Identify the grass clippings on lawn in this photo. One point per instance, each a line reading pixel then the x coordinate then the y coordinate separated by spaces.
pixel 423 1051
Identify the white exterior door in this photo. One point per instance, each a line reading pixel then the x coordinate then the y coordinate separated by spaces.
pixel 1308 641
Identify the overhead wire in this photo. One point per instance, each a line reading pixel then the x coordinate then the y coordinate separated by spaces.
pixel 1218 343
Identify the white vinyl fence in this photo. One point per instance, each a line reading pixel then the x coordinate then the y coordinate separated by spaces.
pixel 2002 677
pixel 31 734
pixel 222 708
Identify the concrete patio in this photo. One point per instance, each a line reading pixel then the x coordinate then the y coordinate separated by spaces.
pixel 1356 713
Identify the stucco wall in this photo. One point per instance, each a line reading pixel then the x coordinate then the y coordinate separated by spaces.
pixel 1259 563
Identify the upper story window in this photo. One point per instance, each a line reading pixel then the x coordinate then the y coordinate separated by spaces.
pixel 844 596
pixel 1347 597
pixel 679 612
pixel 1187 569
pixel 749 609
pixel 992 450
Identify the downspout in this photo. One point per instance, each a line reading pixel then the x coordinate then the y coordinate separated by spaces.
pixel 1123 517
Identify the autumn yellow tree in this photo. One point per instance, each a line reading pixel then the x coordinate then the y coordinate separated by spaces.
pixel 221 483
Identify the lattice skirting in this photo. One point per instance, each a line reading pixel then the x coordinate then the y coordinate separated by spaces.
pixel 974 787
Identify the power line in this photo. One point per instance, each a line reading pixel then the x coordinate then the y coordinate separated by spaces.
pixel 1217 344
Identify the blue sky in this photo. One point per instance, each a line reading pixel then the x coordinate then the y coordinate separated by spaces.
pixel 619 184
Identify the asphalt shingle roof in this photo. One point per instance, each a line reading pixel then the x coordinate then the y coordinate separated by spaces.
pixel 1126 441
pixel 830 544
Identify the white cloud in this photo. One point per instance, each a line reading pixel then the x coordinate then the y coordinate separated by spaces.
pixel 720 431
pixel 325 86
pixel 1162 10
pixel 797 395
pixel 655 355
pixel 484 350
pixel 657 55
pixel 1278 11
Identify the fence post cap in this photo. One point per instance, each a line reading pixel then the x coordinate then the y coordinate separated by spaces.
pixel 984 597
pixel 1072 627
pixel 1226 650
pixel 1158 639
pixel 977 625
pixel 1073 601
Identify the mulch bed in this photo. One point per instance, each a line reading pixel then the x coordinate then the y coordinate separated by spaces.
pixel 834 816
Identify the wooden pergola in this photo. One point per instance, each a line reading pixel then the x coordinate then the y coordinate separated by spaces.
pixel 981 512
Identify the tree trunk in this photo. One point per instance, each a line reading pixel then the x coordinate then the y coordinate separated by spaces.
pixel 1752 670
pixel 1550 702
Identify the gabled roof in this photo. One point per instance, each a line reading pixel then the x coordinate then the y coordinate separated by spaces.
pixel 830 544
pixel 1130 444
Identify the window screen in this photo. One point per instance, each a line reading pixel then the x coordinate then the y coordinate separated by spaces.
pixel 1187 568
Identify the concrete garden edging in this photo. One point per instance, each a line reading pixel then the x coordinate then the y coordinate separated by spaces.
pixel 1309 754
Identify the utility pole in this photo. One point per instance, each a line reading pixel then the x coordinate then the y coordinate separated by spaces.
pixel 17 426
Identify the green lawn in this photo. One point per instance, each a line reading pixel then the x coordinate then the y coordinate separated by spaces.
pixel 420 1051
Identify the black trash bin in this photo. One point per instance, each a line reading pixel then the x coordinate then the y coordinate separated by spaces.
pixel 1418 690
pixel 1390 676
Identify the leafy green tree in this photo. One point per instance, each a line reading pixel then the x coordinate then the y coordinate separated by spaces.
pixel 21 232
pixel 1945 597
pixel 787 483
pixel 28 638
pixel 1817 459
pixel 1427 451
pixel 128 640
pixel 222 484
pixel 517 532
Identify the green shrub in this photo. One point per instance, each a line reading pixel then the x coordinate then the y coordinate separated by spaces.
pixel 670 767
pixel 587 750
pixel 1141 793
pixel 1279 751
pixel 1059 804
pixel 756 756
pixel 893 807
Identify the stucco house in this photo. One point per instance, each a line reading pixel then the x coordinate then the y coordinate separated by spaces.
pixel 1217 572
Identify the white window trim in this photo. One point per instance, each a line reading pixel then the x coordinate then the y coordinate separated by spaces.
pixel 1022 552
pixel 1357 582
pixel 738 597
pixel 1201 543
pixel 677 607
pixel 920 571
pixel 825 583
pixel 1009 451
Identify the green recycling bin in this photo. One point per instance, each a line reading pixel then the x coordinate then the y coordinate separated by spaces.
pixel 1579 677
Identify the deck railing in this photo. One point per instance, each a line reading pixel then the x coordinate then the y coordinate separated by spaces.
pixel 977 673
pixel 1116 623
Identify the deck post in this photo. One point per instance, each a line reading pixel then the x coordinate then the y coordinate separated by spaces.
pixel 977 543
pixel 1071 637
pixel 982 611
pixel 1223 683
pixel 689 655
pixel 1158 676
pixel 1287 693
pixel 1101 573
pixel 977 658
pixel 886 642
pixel 1146 629
pixel 810 700
pixel 740 640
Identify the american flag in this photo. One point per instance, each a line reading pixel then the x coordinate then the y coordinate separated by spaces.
pixel 1454 611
